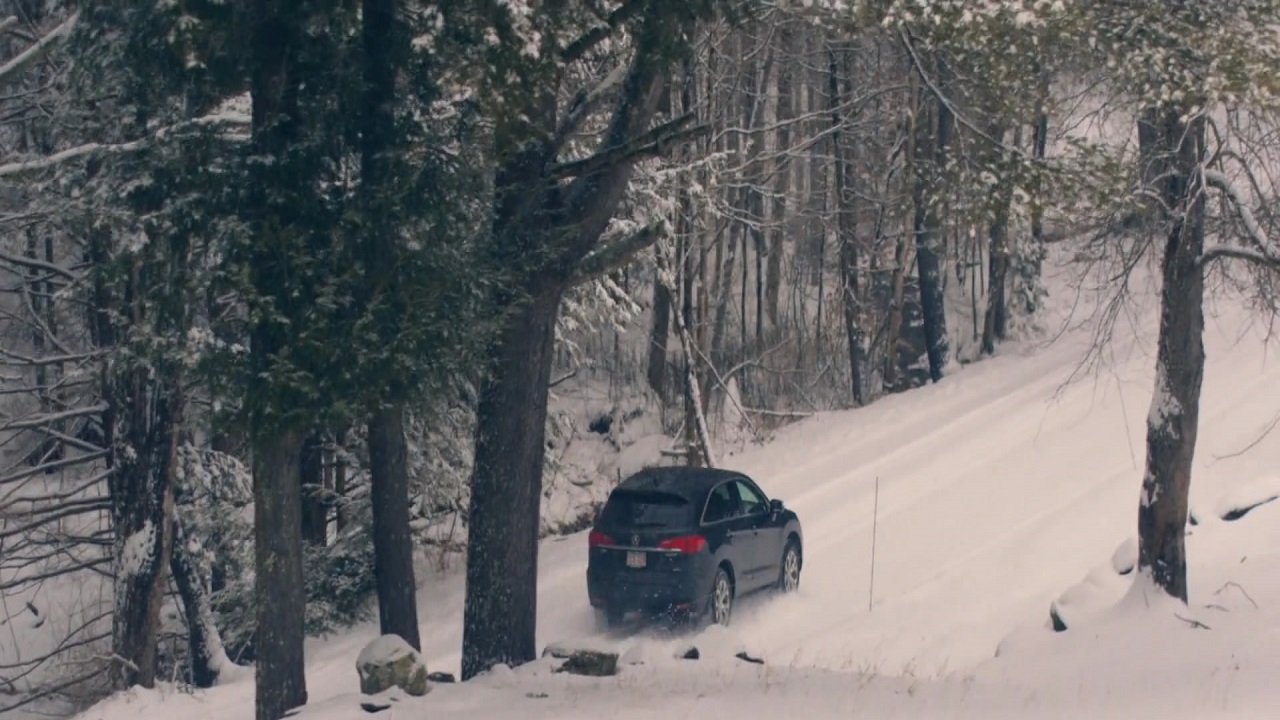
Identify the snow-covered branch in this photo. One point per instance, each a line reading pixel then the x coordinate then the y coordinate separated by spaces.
pixel 651 144
pixel 581 46
pixel 1263 253
pixel 615 254
pixel 98 149
pixel 10 70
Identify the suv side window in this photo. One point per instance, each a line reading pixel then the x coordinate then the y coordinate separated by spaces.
pixel 721 504
pixel 753 503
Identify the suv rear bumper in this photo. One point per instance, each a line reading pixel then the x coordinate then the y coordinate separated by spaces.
pixel 626 592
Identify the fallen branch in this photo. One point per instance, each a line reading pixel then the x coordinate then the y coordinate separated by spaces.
pixel 564 377
pixel 779 413
pixel 1193 623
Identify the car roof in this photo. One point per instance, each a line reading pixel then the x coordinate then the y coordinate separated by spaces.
pixel 692 483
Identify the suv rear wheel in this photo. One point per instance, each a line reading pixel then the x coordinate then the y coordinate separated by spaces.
pixel 721 600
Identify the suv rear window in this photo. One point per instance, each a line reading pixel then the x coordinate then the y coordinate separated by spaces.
pixel 639 509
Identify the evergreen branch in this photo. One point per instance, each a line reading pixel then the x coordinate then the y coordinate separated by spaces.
pixel 10 70
pixel 651 144
pixel 94 149
pixel 616 254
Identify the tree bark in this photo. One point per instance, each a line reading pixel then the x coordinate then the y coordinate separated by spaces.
pixel 392 540
pixel 544 235
pixel 1173 421
pixel 659 333
pixel 389 478
pixel 141 486
pixel 500 617
pixel 280 677
pixel 847 227
pixel 279 673
pixel 205 651
pixel 933 134
pixel 995 321
pixel 315 515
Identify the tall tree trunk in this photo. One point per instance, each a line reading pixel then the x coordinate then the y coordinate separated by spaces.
pixel 340 479
pixel 279 673
pixel 847 227
pixel 659 332
pixel 499 621
pixel 995 321
pixel 392 541
pixel 388 467
pixel 546 235
pixel 141 487
pixel 777 116
pixel 315 515
pixel 933 134
pixel 280 677
pixel 1039 146
pixel 1173 422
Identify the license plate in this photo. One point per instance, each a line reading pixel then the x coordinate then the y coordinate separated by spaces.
pixel 636 559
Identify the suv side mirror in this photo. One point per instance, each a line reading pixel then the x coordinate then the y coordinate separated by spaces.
pixel 775 506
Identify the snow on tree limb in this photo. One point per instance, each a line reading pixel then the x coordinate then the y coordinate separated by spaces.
pixel 1264 254
pixel 652 143
pixel 618 253
pixel 94 149
pixel 10 70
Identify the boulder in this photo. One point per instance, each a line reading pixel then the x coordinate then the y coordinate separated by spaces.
pixel 389 662
pixel 591 663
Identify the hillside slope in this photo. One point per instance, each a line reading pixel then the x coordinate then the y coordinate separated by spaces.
pixel 1001 490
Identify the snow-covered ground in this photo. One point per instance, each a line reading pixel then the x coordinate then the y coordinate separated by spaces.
pixel 1002 491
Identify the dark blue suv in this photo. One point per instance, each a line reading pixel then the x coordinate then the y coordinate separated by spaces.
pixel 686 542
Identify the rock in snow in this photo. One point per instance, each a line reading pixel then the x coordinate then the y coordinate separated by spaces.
pixel 592 663
pixel 388 662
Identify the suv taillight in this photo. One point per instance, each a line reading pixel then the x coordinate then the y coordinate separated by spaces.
pixel 687 544
pixel 596 538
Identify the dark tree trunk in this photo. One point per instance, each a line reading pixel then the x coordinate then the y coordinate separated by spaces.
pixel 315 516
pixel 933 134
pixel 659 334
pixel 392 541
pixel 280 677
pixel 545 233
pixel 204 643
pixel 145 416
pixel 499 622
pixel 388 464
pixel 279 673
pixel 847 227
pixel 141 486
pixel 1173 421
pixel 893 328
pixel 339 479
pixel 995 322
